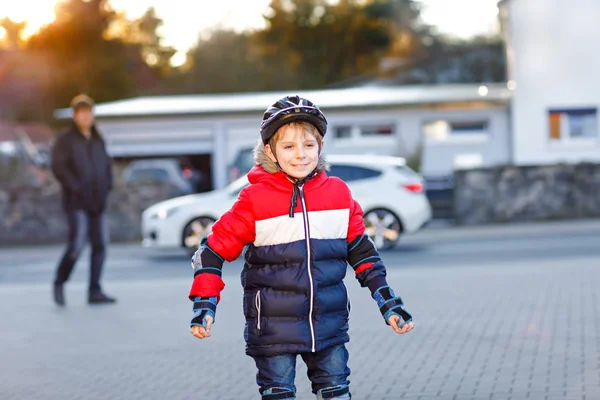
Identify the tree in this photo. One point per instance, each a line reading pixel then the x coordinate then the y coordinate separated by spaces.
pixel 153 51
pixel 83 58
pixel 324 43
pixel 476 60
pixel 226 61
pixel 143 32
pixel 13 32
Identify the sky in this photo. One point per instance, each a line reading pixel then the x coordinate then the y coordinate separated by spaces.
pixel 184 20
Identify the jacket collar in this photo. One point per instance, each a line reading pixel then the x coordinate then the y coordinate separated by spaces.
pixel 281 180
pixel 94 132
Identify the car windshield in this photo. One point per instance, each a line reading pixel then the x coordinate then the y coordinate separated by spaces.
pixel 237 185
pixel 349 173
pixel 245 160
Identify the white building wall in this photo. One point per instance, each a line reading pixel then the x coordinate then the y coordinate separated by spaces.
pixel 440 155
pixel 134 137
pixel 555 63
pixel 393 145
pixel 224 136
pixel 180 135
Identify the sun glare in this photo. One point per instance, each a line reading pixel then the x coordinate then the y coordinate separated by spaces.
pixel 35 12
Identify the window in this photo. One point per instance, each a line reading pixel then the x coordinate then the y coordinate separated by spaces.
pixel 443 130
pixel 343 132
pixel 575 124
pixel 461 128
pixel 349 173
pixel 376 130
pixel 364 131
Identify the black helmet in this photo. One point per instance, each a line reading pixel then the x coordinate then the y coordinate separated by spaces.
pixel 289 109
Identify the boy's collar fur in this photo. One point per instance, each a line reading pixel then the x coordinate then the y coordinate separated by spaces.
pixel 262 158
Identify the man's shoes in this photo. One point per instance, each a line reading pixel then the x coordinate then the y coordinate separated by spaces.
pixel 100 298
pixel 59 296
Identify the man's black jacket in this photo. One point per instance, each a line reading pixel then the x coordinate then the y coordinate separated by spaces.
pixel 83 168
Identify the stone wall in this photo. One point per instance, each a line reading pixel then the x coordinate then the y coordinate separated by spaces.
pixel 32 215
pixel 533 193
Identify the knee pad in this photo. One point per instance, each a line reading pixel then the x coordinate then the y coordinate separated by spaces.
pixel 336 392
pixel 278 393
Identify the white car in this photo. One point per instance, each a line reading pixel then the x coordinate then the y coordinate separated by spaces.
pixel 390 194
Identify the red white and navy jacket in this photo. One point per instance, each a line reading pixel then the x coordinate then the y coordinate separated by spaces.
pixel 294 300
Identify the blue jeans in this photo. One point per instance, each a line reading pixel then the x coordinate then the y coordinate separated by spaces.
pixel 326 369
pixel 84 226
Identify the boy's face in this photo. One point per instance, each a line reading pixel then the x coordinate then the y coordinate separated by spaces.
pixel 296 150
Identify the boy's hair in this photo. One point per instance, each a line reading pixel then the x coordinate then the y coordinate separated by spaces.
pixel 305 126
pixel 260 151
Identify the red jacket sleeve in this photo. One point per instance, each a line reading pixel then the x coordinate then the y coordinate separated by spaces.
pixel 235 229
pixel 229 235
pixel 356 225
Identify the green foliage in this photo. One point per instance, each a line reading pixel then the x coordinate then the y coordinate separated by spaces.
pixel 81 59
pixel 14 171
pixel 82 54
pixel 414 160
pixel 478 60
pixel 323 43
pixel 226 62
pixel 306 44
pixel 12 31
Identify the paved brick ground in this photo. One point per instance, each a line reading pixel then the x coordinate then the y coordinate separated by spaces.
pixel 523 326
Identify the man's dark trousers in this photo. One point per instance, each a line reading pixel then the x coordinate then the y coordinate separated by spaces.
pixel 84 225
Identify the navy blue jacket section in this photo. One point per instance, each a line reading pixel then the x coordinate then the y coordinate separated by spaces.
pixel 277 297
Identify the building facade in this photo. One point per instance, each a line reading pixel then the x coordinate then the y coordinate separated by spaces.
pixel 452 126
pixel 553 63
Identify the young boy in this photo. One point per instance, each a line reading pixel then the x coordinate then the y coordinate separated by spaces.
pixel 302 228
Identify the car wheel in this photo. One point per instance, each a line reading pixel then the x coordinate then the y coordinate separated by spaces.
pixel 383 227
pixel 194 231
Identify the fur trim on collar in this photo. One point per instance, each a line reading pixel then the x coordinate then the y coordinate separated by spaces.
pixel 262 158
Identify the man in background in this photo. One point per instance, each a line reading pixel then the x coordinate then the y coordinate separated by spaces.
pixel 83 168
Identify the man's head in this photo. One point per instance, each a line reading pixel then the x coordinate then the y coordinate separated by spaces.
pixel 83 111
pixel 296 148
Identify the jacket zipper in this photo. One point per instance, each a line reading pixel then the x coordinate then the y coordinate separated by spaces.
pixel 257 304
pixel 307 235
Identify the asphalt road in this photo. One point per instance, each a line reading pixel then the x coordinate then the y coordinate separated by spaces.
pixel 502 312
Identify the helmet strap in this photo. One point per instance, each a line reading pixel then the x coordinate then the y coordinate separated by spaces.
pixel 277 161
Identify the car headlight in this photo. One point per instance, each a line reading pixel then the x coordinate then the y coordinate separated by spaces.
pixel 164 213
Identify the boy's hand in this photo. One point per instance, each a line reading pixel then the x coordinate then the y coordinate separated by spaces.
pixel 204 316
pixel 392 309
pixel 199 331
pixel 393 322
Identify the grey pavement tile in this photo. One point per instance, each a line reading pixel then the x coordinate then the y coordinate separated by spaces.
pixel 462 347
